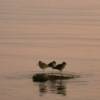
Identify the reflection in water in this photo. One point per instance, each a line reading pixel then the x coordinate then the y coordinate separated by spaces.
pixel 42 88
pixel 54 86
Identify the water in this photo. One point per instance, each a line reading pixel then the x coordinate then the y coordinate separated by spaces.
pixel 49 30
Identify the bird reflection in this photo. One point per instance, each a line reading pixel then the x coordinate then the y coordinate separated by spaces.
pixel 54 86
pixel 42 88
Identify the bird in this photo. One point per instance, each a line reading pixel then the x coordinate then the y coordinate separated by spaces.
pixel 42 65
pixel 52 64
pixel 60 67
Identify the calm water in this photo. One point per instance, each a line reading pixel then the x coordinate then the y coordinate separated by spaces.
pixel 49 30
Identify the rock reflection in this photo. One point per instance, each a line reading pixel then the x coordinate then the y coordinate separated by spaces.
pixel 42 88
pixel 54 86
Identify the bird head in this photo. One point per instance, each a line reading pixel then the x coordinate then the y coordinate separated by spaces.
pixel 54 62
pixel 64 63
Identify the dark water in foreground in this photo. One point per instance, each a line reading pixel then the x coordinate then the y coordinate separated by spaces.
pixel 49 30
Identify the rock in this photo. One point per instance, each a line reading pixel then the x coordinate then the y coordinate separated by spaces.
pixel 42 77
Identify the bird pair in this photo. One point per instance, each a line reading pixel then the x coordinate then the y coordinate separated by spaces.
pixel 52 65
pixel 43 65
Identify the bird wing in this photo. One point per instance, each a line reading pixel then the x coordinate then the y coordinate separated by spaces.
pixel 43 65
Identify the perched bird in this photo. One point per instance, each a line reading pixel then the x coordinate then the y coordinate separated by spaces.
pixel 52 64
pixel 60 67
pixel 42 65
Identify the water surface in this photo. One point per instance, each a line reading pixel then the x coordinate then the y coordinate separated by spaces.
pixel 49 30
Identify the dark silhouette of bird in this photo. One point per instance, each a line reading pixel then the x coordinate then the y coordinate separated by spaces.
pixel 52 64
pixel 42 65
pixel 60 67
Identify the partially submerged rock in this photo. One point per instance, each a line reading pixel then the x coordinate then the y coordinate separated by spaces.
pixel 42 77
